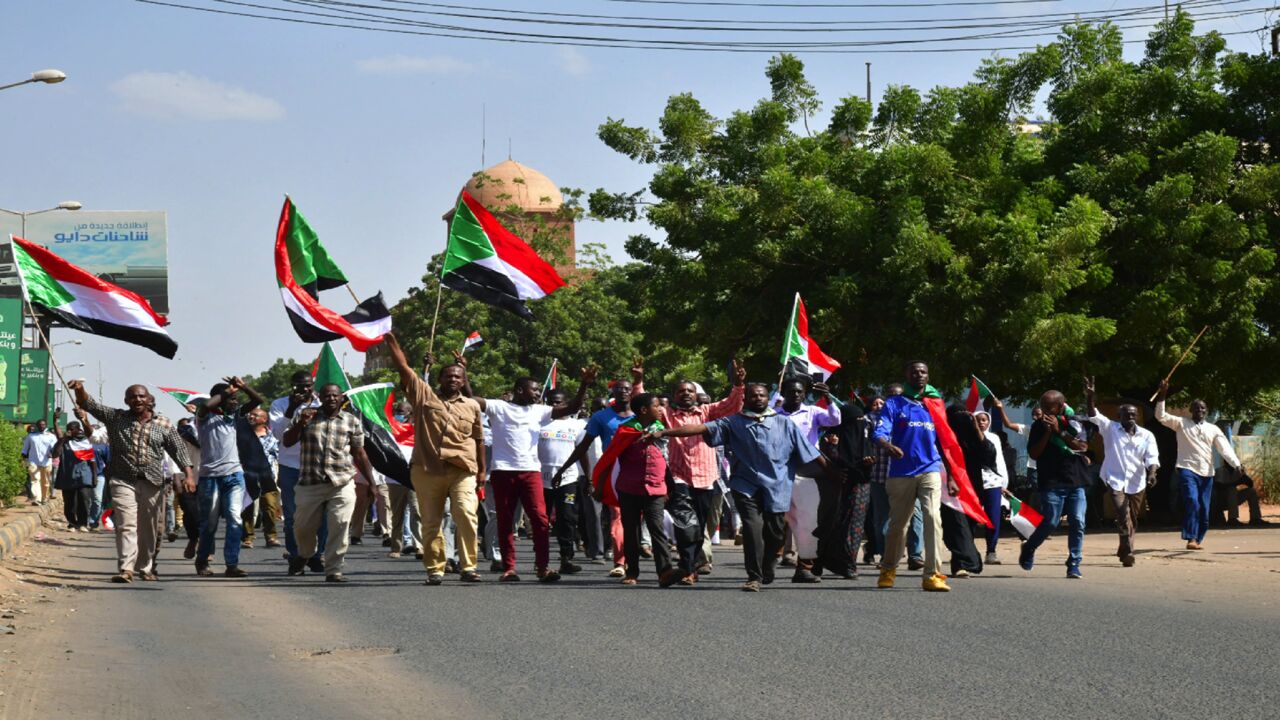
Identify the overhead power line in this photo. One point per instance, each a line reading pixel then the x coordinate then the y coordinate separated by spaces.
pixel 373 22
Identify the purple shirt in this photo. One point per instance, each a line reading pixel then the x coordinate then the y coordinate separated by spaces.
pixel 811 419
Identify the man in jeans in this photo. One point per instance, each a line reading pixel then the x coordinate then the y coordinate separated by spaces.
pixel 332 449
pixel 1197 439
pixel 768 450
pixel 139 439
pixel 221 487
pixel 1055 444
pixel 1132 459
pixel 907 431
pixel 301 397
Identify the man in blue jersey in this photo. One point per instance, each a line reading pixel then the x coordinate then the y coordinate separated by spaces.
pixel 906 431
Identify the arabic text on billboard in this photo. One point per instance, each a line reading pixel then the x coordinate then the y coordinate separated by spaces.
pixel 124 248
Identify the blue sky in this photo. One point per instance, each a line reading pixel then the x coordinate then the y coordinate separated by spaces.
pixel 212 119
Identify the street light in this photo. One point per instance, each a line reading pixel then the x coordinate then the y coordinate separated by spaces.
pixel 71 205
pixel 48 77
pixel 67 342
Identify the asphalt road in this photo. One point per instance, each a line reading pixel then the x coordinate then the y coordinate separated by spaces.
pixel 1175 637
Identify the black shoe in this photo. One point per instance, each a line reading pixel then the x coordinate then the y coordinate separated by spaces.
pixel 804 576
pixel 356 541
pixel 646 552
pixel 202 569
pixel 470 576
pixel 417 556
pixel 495 566
pixel 297 566
pixel 315 563
pixel 190 550
pixel 1259 522
pixel 386 542
pixel 705 569
pixel 451 566
pixel 568 568
pixel 335 578
pixel 435 579
pixel 915 564
pixel 235 572
pixel 171 537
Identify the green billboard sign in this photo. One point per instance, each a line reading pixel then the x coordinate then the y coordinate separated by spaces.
pixel 33 388
pixel 10 346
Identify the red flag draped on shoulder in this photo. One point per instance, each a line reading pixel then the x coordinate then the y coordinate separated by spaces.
pixel 303 269
pixel 967 500
pixel 605 475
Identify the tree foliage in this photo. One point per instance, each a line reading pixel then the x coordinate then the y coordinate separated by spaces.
pixel 934 228
pixel 276 381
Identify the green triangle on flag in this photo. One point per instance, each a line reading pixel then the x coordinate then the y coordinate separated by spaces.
pixel 978 391
pixel 327 369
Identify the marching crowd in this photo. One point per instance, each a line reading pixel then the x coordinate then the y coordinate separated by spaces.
pixel 822 487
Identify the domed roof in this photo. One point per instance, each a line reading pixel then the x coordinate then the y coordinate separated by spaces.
pixel 510 182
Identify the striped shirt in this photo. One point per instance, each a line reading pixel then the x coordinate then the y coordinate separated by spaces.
pixel 692 461
pixel 327 443
pixel 138 446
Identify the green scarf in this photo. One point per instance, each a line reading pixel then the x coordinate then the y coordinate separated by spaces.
pixel 929 391
pixel 634 424
pixel 1064 423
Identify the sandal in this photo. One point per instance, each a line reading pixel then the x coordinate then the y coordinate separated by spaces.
pixel 628 581
pixel 124 576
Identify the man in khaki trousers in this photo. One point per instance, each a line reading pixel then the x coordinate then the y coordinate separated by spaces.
pixel 448 456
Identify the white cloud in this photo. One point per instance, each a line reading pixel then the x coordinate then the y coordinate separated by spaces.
pixel 183 96
pixel 571 61
pixel 413 65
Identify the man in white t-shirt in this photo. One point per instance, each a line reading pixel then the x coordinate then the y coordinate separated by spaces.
pixel 516 472
pixel 556 441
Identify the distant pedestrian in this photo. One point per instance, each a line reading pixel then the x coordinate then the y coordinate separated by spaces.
pixel 76 473
pixel 1197 439
pixel 37 451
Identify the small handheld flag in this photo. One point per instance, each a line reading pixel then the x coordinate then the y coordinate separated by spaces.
pixel 1022 516
pixel 327 370
pixel 553 378
pixel 473 340
pixel 978 391
pixel 186 397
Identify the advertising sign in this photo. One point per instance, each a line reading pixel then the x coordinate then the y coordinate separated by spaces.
pixel 33 388
pixel 128 249
pixel 10 340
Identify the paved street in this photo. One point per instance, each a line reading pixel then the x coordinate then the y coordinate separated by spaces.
pixel 1177 636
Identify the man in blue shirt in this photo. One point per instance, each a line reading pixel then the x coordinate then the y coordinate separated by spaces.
pixel 906 431
pixel 767 450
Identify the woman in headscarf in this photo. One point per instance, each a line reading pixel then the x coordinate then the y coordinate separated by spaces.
pixel 76 473
pixel 995 481
pixel 957 528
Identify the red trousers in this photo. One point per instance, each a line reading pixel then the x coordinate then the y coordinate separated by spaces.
pixel 526 487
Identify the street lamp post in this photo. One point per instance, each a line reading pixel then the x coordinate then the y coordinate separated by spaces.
pixel 48 77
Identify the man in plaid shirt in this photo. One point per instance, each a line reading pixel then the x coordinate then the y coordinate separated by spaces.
pixel 332 448
pixel 139 439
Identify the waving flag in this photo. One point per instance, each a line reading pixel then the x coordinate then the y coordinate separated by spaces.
pixel 387 441
pixel 978 391
pixel 485 260
pixel 966 501
pixel 605 474
pixel 473 340
pixel 553 378
pixel 185 397
pixel 79 299
pixel 303 269
pixel 1022 516
pixel 801 356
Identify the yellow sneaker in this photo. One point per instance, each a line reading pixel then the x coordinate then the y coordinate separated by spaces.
pixel 887 576
pixel 936 583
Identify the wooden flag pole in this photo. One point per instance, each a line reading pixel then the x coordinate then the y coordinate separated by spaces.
pixel 431 342
pixel 1185 353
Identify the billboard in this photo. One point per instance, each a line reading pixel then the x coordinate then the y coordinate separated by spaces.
pixel 33 388
pixel 127 248
pixel 10 342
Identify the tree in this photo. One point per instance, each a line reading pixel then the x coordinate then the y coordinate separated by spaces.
pixel 276 381
pixel 935 229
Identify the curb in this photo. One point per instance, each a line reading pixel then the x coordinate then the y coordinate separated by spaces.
pixel 15 532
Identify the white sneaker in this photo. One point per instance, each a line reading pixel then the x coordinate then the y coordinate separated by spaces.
pixel 993 559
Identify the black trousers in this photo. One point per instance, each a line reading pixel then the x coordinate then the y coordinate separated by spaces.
pixel 589 521
pixel 190 503
pixel 957 535
pixel 704 506
pixel 647 509
pixel 75 505
pixel 562 501
pixel 762 535
pixel 686 523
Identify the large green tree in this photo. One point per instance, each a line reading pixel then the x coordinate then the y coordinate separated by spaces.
pixel 933 227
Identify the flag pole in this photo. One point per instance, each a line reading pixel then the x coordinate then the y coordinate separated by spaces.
pixel 544 385
pixel 431 342
pixel 1185 353
pixel 52 360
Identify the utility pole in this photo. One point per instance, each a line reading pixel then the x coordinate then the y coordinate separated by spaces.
pixel 868 83
pixel 1166 9
pixel 1275 41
